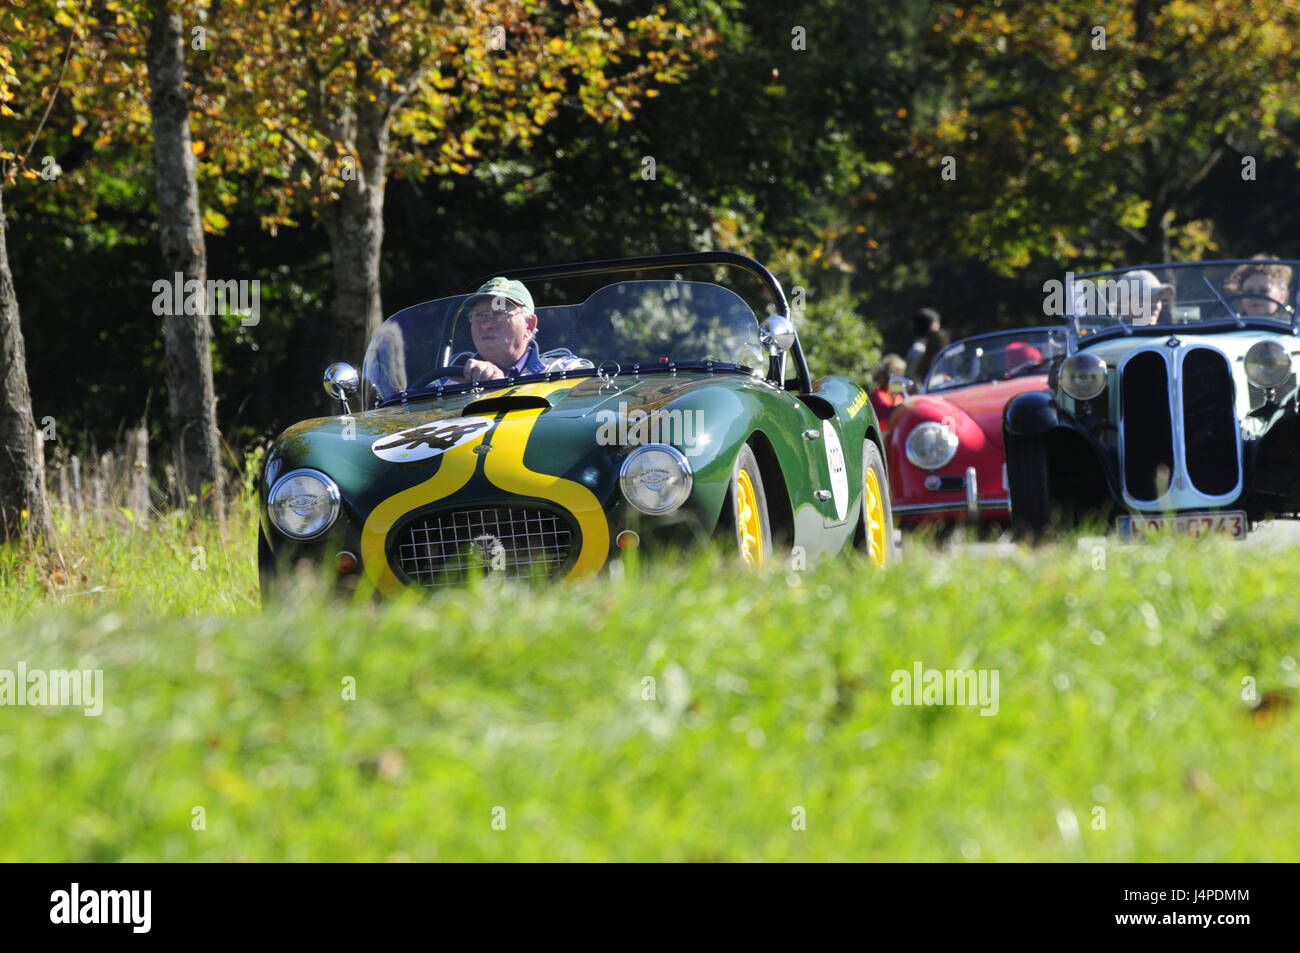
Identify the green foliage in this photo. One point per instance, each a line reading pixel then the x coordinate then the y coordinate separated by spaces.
pixel 1118 689
pixel 307 96
pixel 1083 135
pixel 821 162
pixel 837 339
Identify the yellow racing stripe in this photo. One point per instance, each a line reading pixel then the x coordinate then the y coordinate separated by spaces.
pixel 454 471
pixel 505 469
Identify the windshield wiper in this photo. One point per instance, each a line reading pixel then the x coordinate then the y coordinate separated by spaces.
pixel 1223 301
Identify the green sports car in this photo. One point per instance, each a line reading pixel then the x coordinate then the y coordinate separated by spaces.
pixel 635 408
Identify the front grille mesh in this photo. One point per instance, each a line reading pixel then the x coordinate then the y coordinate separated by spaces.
pixel 514 543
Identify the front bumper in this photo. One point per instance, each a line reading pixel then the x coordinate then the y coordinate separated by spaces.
pixel 970 505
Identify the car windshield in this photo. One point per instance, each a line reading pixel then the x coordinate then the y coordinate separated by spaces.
pixel 1180 295
pixel 992 357
pixel 622 327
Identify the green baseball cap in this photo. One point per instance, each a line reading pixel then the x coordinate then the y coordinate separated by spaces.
pixel 512 291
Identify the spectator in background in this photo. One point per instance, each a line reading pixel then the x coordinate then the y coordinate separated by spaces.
pixel 924 323
pixel 882 399
pixel 935 342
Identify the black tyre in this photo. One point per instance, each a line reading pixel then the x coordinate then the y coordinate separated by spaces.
pixel 265 568
pixel 1027 479
pixel 875 533
pixel 744 513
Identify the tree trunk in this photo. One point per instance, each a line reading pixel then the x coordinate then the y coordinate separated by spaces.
pixel 1155 232
pixel 191 398
pixel 138 474
pixel 1155 236
pixel 355 225
pixel 22 449
pixel 1157 172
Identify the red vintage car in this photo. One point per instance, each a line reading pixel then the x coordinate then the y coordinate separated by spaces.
pixel 944 444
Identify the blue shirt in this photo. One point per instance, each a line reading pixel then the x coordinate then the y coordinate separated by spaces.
pixel 529 363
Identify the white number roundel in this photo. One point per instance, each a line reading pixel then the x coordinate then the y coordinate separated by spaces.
pixel 428 440
pixel 839 472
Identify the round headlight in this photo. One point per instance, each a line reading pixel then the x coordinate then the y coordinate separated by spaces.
pixel 1083 376
pixel 1267 364
pixel 931 445
pixel 656 478
pixel 303 503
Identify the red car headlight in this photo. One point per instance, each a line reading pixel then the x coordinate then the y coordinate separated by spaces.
pixel 931 445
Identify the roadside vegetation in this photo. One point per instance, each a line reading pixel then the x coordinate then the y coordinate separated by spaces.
pixel 681 710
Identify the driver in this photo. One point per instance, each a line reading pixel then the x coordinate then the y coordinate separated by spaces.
pixel 503 323
pixel 1263 285
pixel 1020 355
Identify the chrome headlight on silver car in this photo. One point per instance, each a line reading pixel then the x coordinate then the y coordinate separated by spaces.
pixel 1083 376
pixel 303 503
pixel 931 445
pixel 1267 364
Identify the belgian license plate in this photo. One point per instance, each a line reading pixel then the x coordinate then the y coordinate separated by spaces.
pixel 1229 523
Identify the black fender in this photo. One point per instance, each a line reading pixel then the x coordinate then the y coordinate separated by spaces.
pixel 1078 466
pixel 1271 466
pixel 1030 414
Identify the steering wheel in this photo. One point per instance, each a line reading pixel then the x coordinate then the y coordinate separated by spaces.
pixel 457 372
pixel 1281 305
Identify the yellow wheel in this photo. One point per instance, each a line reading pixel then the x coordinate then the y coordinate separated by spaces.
pixel 748 527
pixel 876 530
pixel 877 545
pixel 746 510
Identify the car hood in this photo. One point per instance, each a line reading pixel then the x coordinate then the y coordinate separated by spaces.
pixel 983 403
pixel 391 446
pixel 1234 343
pixel 584 397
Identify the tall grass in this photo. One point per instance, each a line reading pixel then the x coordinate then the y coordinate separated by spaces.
pixel 175 564
pixel 680 710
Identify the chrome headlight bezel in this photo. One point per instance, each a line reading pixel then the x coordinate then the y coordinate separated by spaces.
pixel 1082 376
pixel 678 475
pixel 947 445
pixel 333 501
pixel 1268 364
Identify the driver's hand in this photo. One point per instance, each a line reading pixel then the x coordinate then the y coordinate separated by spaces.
pixel 482 371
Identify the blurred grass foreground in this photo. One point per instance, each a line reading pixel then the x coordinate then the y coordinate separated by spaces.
pixel 679 711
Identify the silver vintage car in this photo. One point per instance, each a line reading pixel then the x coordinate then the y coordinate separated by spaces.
pixel 1174 407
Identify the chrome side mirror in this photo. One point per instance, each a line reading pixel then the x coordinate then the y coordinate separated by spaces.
pixel 341 382
pixel 777 334
pixel 901 385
